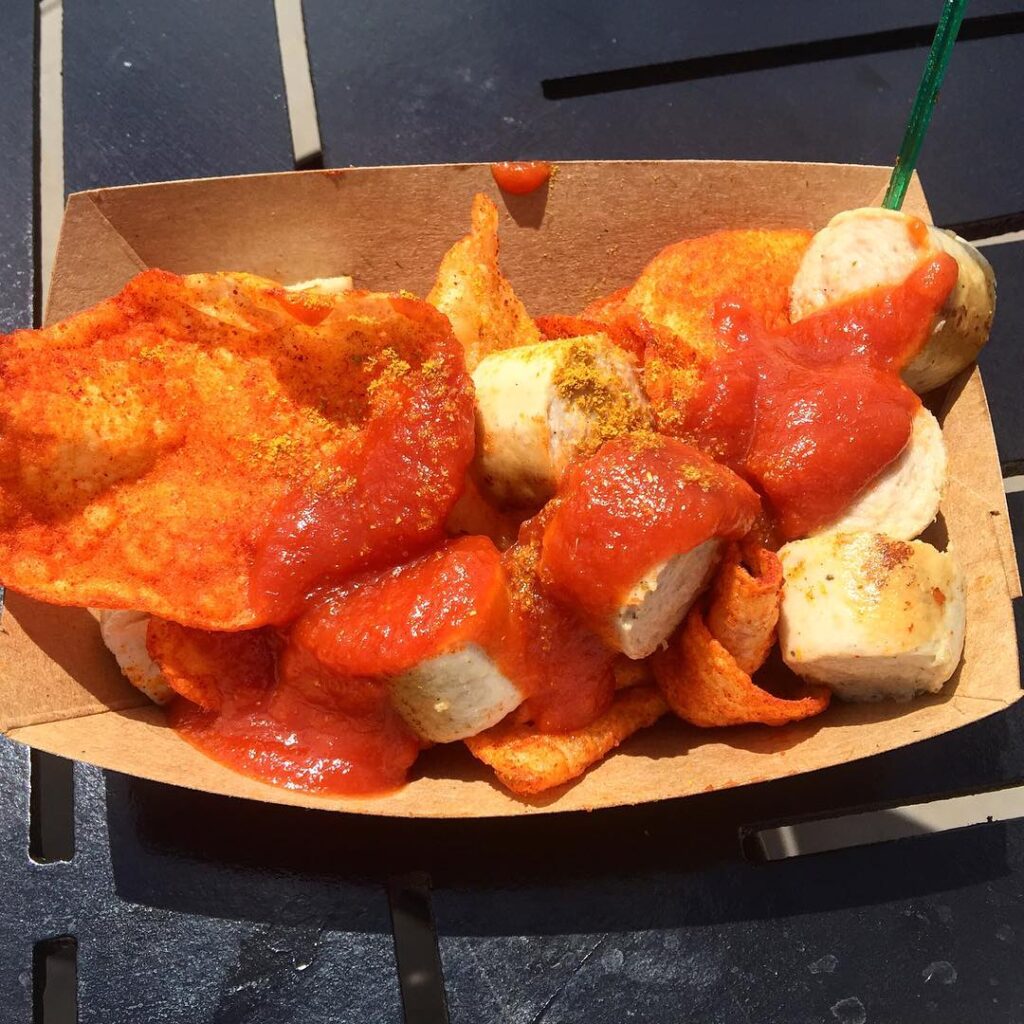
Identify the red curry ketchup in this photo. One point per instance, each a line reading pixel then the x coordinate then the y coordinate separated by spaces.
pixel 569 671
pixel 520 178
pixel 298 725
pixel 641 500
pixel 385 623
pixel 814 415
pixel 884 327
pixel 810 414
pixel 386 498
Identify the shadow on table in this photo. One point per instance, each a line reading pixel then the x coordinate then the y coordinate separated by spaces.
pixel 658 865
pixel 213 856
pixel 861 877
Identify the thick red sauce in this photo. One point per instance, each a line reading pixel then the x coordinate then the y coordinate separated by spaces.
pixel 386 623
pixel 296 724
pixel 520 178
pixel 324 722
pixel 641 500
pixel 568 671
pixel 813 416
pixel 884 327
pixel 388 496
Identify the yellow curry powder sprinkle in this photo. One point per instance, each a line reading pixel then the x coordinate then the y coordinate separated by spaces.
pixel 586 381
pixel 390 367
pixel 693 475
pixel 646 439
pixel 273 450
pixel 521 563
pixel 343 485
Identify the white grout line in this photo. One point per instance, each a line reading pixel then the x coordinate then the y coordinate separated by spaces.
pixel 1013 484
pixel 298 82
pixel 1010 236
pixel 51 134
pixel 895 823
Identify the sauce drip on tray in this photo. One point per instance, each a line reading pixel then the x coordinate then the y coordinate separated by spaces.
pixel 519 178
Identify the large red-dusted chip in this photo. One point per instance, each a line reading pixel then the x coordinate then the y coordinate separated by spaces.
pixel 680 288
pixel 704 686
pixel 607 307
pixel 146 444
pixel 527 761
pixel 743 611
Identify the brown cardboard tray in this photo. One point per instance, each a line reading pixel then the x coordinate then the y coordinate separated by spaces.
pixel 588 233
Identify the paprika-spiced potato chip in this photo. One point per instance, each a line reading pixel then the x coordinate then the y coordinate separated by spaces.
pixel 472 292
pixel 146 442
pixel 528 762
pixel 629 672
pixel 705 687
pixel 678 293
pixel 626 324
pixel 625 332
pixel 198 664
pixel 705 673
pixel 743 611
pixel 612 315
pixel 681 286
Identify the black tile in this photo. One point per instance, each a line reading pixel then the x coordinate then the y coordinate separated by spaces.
pixel 1002 360
pixel 162 89
pixel 17 188
pixel 385 97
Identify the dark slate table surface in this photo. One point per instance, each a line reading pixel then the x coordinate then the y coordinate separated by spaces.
pixel 175 906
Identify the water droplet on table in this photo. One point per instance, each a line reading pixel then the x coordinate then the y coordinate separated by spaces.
pixel 941 971
pixel 826 965
pixel 850 1011
pixel 612 959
